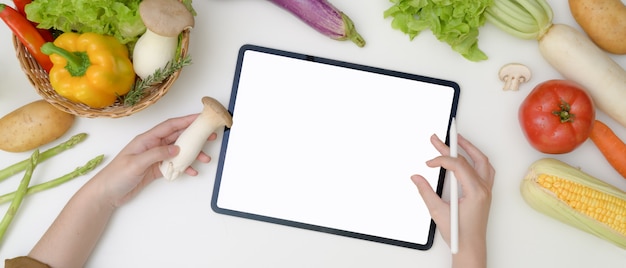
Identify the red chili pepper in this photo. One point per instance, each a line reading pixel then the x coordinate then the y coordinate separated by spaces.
pixel 27 34
pixel 20 4
pixel 20 7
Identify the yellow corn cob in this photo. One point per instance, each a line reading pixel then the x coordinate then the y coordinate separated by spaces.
pixel 603 207
pixel 576 198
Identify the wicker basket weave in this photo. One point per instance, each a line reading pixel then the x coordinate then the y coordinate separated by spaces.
pixel 39 79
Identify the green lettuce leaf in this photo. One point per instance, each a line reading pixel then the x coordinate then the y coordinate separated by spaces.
pixel 110 17
pixel 455 22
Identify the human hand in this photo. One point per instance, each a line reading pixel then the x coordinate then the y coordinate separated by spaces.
pixel 476 181
pixel 137 164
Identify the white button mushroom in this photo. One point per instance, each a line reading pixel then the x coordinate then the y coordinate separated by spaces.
pixel 191 141
pixel 164 20
pixel 514 74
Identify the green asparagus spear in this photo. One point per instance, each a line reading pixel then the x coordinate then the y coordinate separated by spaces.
pixel 19 195
pixel 89 166
pixel 15 168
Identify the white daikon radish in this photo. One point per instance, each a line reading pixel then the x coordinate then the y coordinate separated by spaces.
pixel 568 50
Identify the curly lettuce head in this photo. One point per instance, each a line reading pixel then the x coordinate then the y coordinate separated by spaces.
pixel 109 17
pixel 455 22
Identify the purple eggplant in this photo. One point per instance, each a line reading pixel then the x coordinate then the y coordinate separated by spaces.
pixel 323 17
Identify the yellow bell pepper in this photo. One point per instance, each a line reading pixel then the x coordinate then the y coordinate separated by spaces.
pixel 90 68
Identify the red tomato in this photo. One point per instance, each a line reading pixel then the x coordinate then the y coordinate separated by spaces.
pixel 557 116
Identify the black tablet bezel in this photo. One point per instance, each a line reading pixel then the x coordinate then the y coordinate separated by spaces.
pixel 231 107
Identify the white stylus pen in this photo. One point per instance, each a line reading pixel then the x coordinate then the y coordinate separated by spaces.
pixel 454 193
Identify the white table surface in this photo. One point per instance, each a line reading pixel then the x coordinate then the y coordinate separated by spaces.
pixel 171 224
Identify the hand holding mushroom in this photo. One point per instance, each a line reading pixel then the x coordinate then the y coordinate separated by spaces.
pixel 164 20
pixel 190 142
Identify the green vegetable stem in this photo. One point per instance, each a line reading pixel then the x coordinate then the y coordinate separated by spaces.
pixel 15 168
pixel 525 19
pixel 89 166
pixel 136 92
pixel 19 194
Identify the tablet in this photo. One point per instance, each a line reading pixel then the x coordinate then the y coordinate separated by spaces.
pixel 330 146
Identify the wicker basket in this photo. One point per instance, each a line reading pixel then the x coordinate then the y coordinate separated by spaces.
pixel 39 79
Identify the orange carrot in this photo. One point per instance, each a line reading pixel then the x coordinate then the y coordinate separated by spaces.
pixel 611 146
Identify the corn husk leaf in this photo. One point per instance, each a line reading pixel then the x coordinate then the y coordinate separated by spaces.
pixel 547 202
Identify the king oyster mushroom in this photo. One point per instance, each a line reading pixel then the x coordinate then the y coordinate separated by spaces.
pixel 164 20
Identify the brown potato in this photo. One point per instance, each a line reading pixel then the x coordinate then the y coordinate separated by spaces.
pixel 604 21
pixel 33 125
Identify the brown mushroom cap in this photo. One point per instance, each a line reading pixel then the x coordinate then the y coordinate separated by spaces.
pixel 165 17
pixel 217 111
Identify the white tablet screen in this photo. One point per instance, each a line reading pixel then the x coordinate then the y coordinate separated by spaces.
pixel 330 146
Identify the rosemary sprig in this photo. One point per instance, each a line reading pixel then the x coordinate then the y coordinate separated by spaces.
pixel 136 92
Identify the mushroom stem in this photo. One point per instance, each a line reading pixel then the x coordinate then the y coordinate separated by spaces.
pixel 153 52
pixel 164 20
pixel 511 83
pixel 191 141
